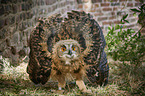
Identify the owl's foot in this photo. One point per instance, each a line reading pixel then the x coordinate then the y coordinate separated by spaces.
pixel 89 92
pixel 82 87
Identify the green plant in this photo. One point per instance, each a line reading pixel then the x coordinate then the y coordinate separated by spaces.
pixel 125 44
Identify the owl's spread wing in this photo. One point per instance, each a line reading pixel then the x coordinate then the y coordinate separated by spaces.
pixel 78 26
pixel 39 67
pixel 96 57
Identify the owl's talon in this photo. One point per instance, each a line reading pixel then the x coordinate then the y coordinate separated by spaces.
pixel 59 88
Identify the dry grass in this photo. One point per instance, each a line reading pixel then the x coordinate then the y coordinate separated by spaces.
pixel 124 79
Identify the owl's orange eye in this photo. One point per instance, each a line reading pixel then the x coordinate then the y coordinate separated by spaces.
pixel 63 49
pixel 73 48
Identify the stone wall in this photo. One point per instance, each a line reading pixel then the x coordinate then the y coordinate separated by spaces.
pixel 18 17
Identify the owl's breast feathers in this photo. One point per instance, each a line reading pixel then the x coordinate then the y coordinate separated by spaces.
pixel 80 27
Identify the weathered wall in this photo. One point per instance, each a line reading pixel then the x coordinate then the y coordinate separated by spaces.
pixel 18 17
pixel 110 12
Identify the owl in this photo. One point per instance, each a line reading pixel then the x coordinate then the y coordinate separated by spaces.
pixel 66 49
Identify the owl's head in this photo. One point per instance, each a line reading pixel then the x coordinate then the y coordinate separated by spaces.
pixel 67 51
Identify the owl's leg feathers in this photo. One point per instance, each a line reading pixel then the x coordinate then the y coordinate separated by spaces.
pixel 82 86
pixel 61 81
pixel 61 86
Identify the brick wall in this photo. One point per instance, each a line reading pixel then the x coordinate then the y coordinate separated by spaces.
pixel 110 12
pixel 18 17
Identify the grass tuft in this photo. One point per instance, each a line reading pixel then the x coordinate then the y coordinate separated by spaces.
pixel 124 79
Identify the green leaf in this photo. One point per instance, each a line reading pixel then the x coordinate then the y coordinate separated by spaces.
pixel 121 21
pixel 112 31
pixel 126 21
pixel 117 27
pixel 109 28
pixel 134 14
pixel 135 10
pixel 125 16
pixel 142 7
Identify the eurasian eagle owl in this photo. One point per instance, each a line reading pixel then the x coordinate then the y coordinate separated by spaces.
pixel 68 48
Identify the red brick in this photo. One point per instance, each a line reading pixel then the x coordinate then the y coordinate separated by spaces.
pixel 98 14
pixel 98 10
pixel 117 22
pixel 129 4
pixel 123 4
pixel 130 25
pixel 95 1
pixel 137 4
pixel 96 5
pixel 50 2
pixel 24 16
pixel 29 15
pixel 132 20
pixel 2 10
pixel 80 6
pixel 18 19
pixel 15 8
pixel 6 53
pixel 85 1
pixel 114 0
pixel 68 8
pixel 86 6
pixel 3 33
pixel 115 8
pixel 8 9
pixel 113 13
pixel 107 9
pixel 93 10
pixel 12 20
pixel 122 0
pixel 105 4
pixel 115 4
pixel 102 18
pixel 113 17
pixel 107 23
pixel 79 1
pixel 7 21
pixel 2 23
pixel 20 7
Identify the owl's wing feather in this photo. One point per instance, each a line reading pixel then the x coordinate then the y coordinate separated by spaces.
pixel 96 57
pixel 39 67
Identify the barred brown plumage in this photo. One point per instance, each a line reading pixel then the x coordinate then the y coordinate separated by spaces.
pixel 79 28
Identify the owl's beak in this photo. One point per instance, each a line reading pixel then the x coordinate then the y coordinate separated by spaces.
pixel 67 63
pixel 70 52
